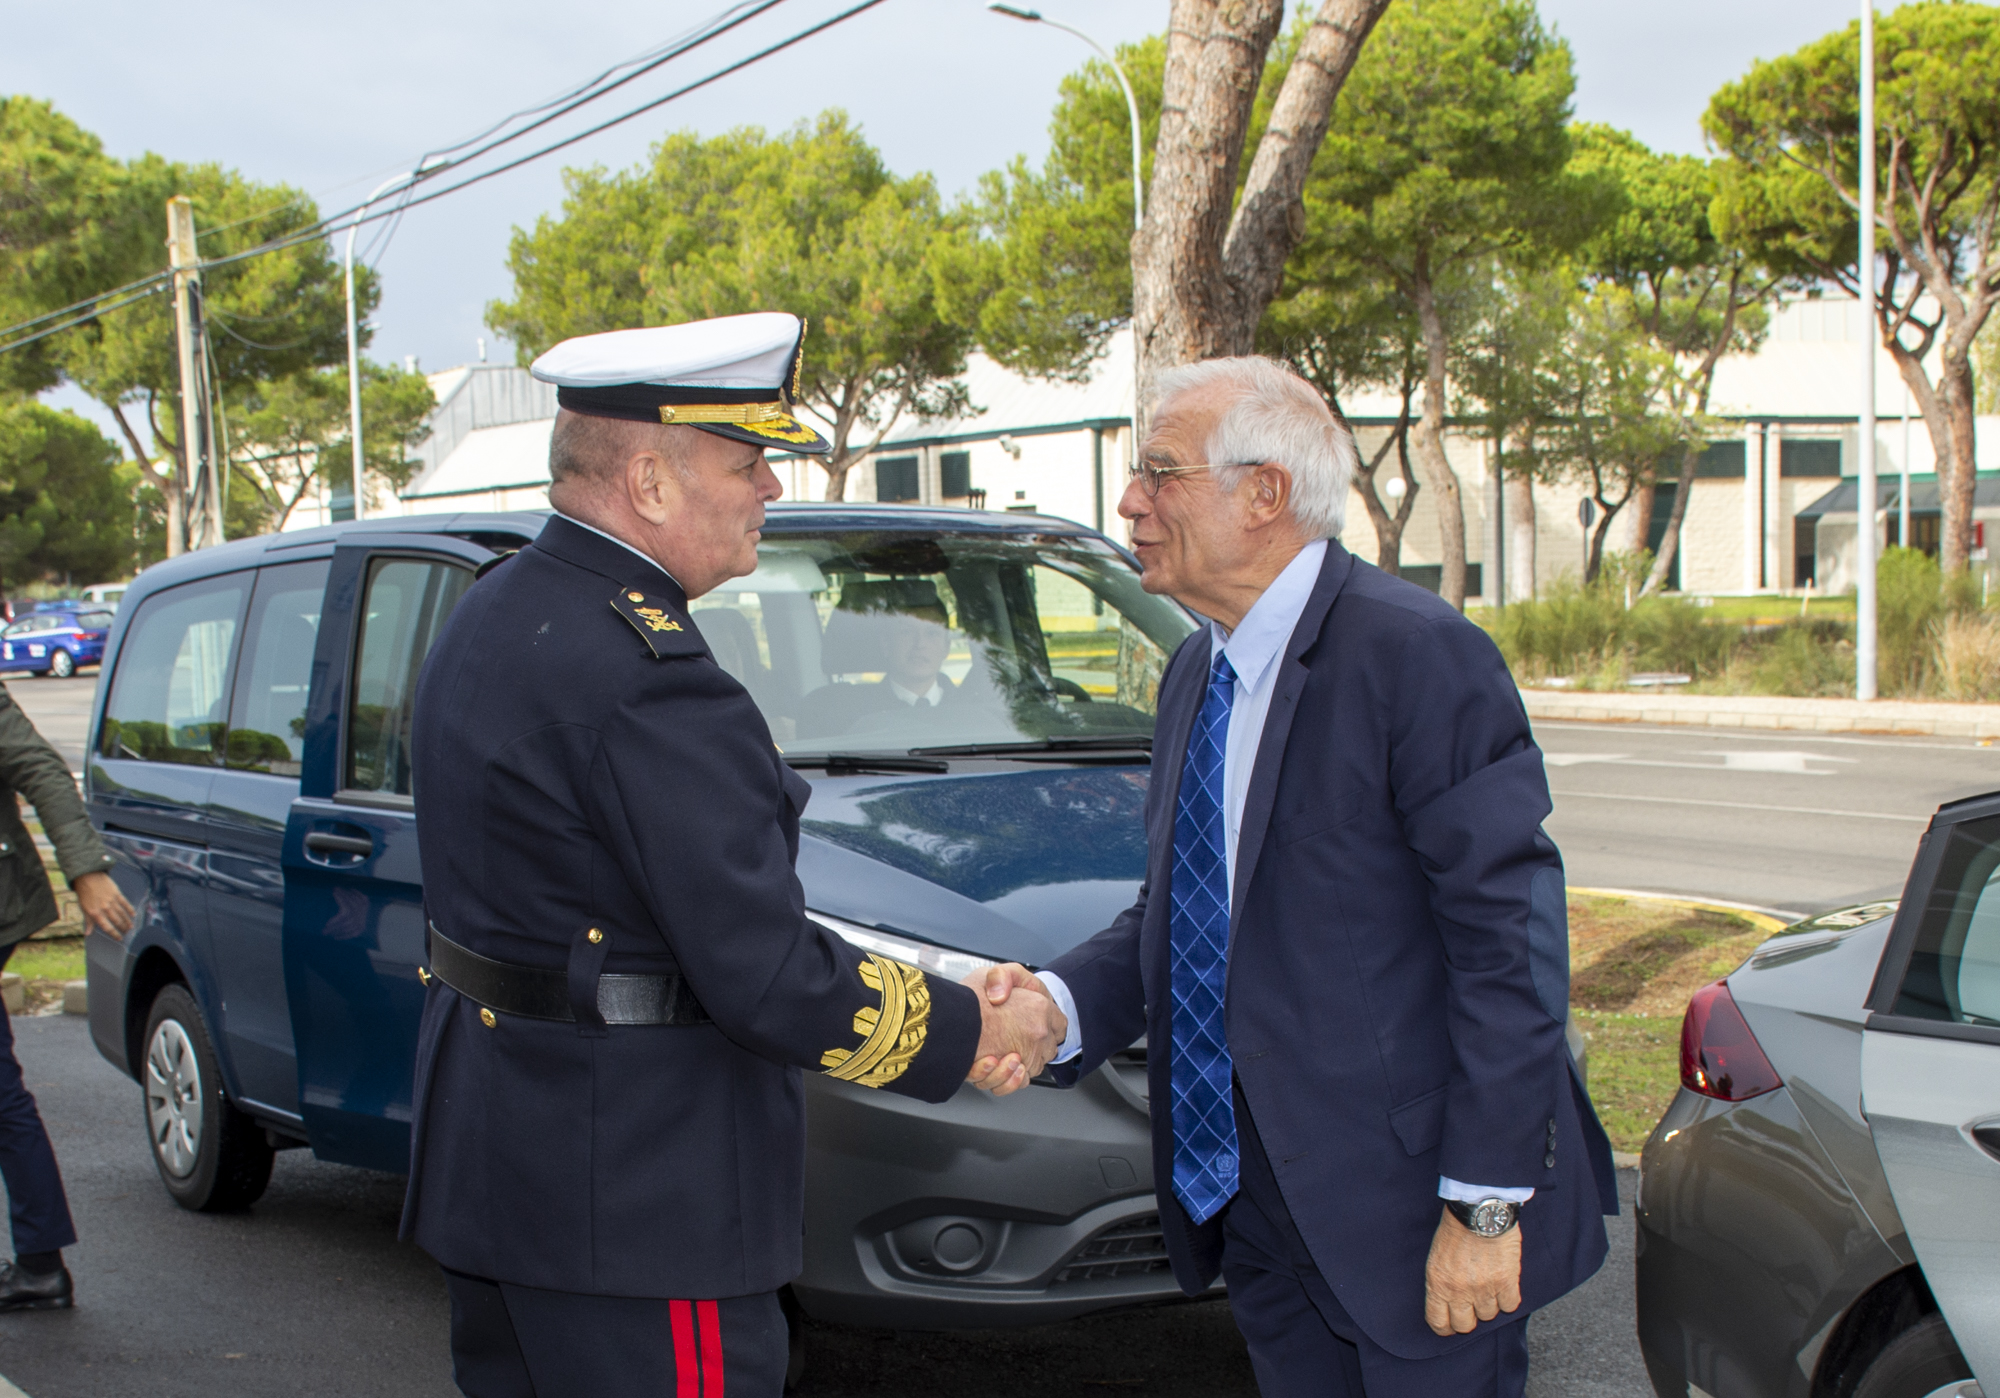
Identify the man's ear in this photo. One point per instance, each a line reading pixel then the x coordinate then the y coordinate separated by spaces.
pixel 1270 493
pixel 646 487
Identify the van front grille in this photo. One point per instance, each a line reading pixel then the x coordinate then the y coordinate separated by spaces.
pixel 1131 1249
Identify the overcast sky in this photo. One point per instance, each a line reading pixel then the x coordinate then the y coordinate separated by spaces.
pixel 334 99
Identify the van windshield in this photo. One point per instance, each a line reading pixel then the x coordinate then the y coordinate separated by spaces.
pixel 887 641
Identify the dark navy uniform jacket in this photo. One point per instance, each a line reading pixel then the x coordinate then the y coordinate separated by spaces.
pixel 1398 957
pixel 582 762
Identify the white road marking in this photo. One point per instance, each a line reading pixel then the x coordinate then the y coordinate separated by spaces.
pixel 1739 805
pixel 1577 759
pixel 1701 733
pixel 1791 764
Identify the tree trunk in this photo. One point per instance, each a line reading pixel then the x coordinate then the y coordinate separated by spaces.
pixel 167 482
pixel 1642 514
pixel 1670 542
pixel 1955 485
pixel 1595 563
pixel 837 467
pixel 1388 527
pixel 1430 448
pixel 1519 493
pixel 1200 280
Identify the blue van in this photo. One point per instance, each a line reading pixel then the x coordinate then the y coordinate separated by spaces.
pixel 971 695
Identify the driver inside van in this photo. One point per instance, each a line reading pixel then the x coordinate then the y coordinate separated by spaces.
pixel 899 629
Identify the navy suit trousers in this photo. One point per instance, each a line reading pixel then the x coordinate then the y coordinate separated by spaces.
pixel 1303 1343
pixel 35 1195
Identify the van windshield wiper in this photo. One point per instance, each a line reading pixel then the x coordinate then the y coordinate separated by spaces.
pixel 1101 742
pixel 843 764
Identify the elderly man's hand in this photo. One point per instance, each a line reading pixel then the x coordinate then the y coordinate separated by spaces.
pixel 103 906
pixel 1470 1278
pixel 1020 1029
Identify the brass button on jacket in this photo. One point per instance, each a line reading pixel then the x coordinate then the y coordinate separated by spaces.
pixel 488 1018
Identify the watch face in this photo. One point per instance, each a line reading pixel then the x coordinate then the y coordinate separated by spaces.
pixel 1492 1218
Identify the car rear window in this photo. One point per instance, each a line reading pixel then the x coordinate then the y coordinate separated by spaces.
pixel 1954 970
pixel 171 686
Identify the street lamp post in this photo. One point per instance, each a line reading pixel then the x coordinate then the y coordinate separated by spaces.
pixel 1138 181
pixel 1864 589
pixel 354 341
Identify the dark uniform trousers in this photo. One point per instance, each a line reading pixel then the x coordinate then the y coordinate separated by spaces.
pixel 34 1185
pixel 1303 1343
pixel 511 1341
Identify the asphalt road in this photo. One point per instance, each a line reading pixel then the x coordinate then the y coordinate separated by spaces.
pixel 310 1294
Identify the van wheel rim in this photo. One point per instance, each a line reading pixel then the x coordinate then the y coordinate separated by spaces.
pixel 173 1098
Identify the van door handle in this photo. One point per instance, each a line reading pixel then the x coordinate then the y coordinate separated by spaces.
pixel 324 842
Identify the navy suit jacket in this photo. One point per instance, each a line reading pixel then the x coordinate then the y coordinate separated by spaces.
pixel 581 764
pixel 1398 957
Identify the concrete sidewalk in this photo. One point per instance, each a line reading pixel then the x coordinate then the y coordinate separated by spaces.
pixel 1764 711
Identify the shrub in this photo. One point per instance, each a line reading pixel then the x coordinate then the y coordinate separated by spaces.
pixel 1968 657
pixel 1804 658
pixel 1909 600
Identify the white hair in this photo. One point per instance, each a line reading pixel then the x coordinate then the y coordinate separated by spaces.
pixel 1274 417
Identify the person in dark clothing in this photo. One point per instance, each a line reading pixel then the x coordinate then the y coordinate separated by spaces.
pixel 29 768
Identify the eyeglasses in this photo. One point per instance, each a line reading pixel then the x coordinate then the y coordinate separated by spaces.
pixel 1149 476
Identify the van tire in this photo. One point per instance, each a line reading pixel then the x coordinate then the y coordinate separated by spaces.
pixel 61 664
pixel 211 1157
pixel 1916 1364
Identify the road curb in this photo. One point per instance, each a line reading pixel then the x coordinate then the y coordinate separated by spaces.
pixel 1764 919
pixel 1756 711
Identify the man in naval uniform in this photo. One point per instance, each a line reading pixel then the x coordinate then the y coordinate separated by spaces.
pixel 623 985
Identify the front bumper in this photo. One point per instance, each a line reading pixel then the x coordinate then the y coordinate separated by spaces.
pixel 1750 1247
pixel 981 1211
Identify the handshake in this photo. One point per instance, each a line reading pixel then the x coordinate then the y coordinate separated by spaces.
pixel 1020 1028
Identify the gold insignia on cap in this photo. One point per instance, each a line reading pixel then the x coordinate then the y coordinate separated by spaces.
pixel 893 1034
pixel 636 596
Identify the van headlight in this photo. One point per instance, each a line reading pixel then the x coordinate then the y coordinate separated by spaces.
pixel 938 961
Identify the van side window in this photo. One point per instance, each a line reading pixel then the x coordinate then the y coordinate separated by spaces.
pixel 267 720
pixel 407 601
pixel 172 682
pixel 1954 970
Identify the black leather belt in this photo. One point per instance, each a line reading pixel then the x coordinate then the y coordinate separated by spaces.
pixel 533 993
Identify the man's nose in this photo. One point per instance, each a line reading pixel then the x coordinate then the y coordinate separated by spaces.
pixel 1134 502
pixel 768 486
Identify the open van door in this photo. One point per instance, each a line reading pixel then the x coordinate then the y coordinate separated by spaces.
pixel 1930 1072
pixel 354 920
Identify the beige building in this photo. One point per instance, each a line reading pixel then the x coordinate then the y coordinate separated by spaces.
pixel 1772 506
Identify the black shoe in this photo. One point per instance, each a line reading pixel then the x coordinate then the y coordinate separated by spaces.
pixel 24 1291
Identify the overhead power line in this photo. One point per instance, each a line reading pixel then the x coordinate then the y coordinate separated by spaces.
pixel 355 215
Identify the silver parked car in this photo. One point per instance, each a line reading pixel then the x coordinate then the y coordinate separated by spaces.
pixel 1819 1209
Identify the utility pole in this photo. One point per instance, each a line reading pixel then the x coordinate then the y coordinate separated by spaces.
pixel 200 522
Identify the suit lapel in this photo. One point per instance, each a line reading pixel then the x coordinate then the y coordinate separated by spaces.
pixel 1290 682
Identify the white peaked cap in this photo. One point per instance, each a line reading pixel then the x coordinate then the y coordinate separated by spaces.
pixel 735 352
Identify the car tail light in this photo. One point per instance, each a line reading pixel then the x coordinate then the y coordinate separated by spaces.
pixel 1720 1057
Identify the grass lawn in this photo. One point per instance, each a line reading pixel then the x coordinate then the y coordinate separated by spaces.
pixel 1633 965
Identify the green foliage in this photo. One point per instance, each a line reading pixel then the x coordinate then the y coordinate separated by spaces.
pixel 1805 659
pixel 809 221
pixel 293 432
pixel 1909 602
pixel 64 511
pixel 1040 264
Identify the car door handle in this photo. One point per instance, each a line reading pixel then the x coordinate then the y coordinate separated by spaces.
pixel 1988 1137
pixel 324 842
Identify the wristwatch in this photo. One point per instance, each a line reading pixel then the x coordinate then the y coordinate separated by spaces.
pixel 1489 1218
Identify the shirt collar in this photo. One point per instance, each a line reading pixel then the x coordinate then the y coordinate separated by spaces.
pixel 910 696
pixel 620 542
pixel 1261 635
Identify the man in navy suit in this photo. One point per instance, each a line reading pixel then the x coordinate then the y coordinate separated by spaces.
pixel 1350 955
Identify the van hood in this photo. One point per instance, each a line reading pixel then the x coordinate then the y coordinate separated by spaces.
pixel 1018 865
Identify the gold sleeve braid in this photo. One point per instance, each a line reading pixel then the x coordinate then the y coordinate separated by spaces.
pixel 893 1034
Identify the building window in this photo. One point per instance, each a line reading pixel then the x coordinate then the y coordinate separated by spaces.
pixel 955 471
pixel 1656 533
pixel 896 479
pixel 1718 461
pixel 1805 549
pixel 1809 458
pixel 1431 575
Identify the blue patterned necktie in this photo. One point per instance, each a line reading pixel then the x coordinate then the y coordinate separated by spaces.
pixel 1204 1118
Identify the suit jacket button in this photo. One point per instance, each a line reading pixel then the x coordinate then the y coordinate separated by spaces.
pixel 423 975
pixel 1549 1161
pixel 595 936
pixel 487 1018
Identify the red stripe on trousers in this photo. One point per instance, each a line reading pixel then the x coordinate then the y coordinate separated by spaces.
pixel 681 1313
pixel 711 1348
